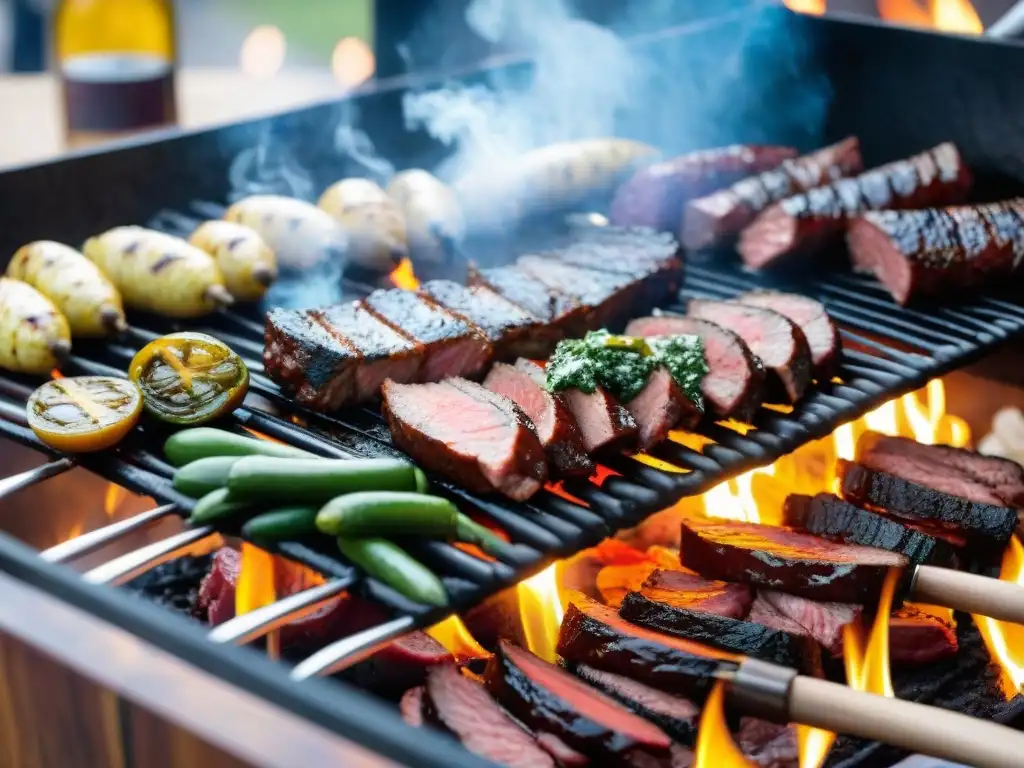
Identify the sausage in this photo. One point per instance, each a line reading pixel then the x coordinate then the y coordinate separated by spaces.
pixel 433 218
pixel 374 225
pixel 246 262
pixel 159 273
pixel 300 234
pixel 34 336
pixel 85 296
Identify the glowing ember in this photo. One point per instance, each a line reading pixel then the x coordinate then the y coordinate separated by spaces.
pixel 262 436
pixel 403 276
pixel 813 7
pixel 715 747
pixel 540 611
pixel 453 635
pixel 956 16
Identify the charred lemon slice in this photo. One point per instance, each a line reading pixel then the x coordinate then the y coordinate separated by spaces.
pixel 189 378
pixel 84 413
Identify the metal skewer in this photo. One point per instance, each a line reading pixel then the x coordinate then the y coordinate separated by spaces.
pixel 351 650
pixel 127 567
pixel 90 542
pixel 15 483
pixel 1010 24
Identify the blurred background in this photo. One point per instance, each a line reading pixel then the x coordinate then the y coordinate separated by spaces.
pixel 75 72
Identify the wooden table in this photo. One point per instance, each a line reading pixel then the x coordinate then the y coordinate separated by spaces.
pixel 31 126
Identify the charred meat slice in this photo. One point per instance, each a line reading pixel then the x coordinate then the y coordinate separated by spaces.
pixel 941 500
pixel 768 745
pixel 385 353
pixel 606 426
pixel 659 407
pixel 464 708
pixel 403 663
pixel 461 430
pixel 805 221
pixel 555 425
pixel 734 384
pixel 655 264
pixel 833 518
pixel 551 700
pixel 510 330
pixel 451 347
pixel 594 634
pixel 560 312
pixel 810 316
pixel 411 706
pixel 822 621
pixel 783 559
pixel 695 593
pixel 654 196
pixel 775 339
pixel 722 215
pixel 920 637
pixel 675 715
pixel 608 297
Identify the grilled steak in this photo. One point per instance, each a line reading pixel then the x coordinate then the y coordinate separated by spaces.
pixel 608 297
pixel 1005 478
pixel 560 312
pixel 510 330
pixel 734 384
pixel 396 667
pixel 596 635
pixel 555 425
pixel 650 260
pixel 464 708
pixel 551 700
pixel 451 347
pixel 654 196
pixel 565 756
pixel 810 316
pixel 461 430
pixel 808 220
pixel 776 340
pixel 917 254
pixel 605 425
pixel 833 518
pixel 720 216
pixel 695 593
pixel 675 715
pixel 614 582
pixel 765 612
pixel 659 407
pixel 950 501
pixel 919 637
pixel 411 706
pixel 822 621
pixel 783 559
pixel 768 745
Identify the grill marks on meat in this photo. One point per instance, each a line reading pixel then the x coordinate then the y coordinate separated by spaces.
pixel 810 316
pixel 483 441
pixel 549 699
pixel 554 423
pixel 943 500
pixel 805 221
pixel 654 196
pixel 722 215
pixel 651 261
pixel 833 518
pixel 919 637
pixel 605 425
pixel 775 339
pixel 659 407
pixel 451 347
pixel 783 559
pixel 734 384
pixel 606 297
pixel 556 310
pixel 916 254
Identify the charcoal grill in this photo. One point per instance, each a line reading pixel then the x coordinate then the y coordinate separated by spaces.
pixel 871 72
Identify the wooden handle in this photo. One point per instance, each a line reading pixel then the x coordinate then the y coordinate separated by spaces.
pixel 916 727
pixel 969 593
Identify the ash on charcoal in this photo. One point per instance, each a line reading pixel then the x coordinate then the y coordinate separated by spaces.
pixel 173 584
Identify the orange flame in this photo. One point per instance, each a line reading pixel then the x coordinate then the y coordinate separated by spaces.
pixel 262 436
pixel 453 635
pixel 715 747
pixel 404 277
pixel 1005 641
pixel 114 498
pixel 812 7
pixel 55 374
pixel 255 586
pixel 540 611
pixel 956 16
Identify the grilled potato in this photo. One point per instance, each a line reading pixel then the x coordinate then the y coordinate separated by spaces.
pixel 247 263
pixel 159 273
pixel 34 335
pixel 433 218
pixel 374 225
pixel 299 233
pixel 88 300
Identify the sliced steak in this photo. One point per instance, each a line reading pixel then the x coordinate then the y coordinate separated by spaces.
pixel 822 621
pixel 810 316
pixel 806 221
pixel 594 634
pixel 641 255
pixel 675 715
pixel 614 582
pixel 560 312
pixel 952 502
pixel 833 518
pixel 919 637
pixel 768 745
pixel 606 426
pixel 464 708
pixel 734 384
pixel 608 297
pixel 510 330
pixel 774 338
pixel 395 667
pixel 550 700
pixel 459 429
pixel 1004 477
pixel 411 706
pixel 695 593
pixel 720 216
pixel 654 196
pixel 783 559
pixel 555 425
pixel 565 756
pixel 451 347
pixel 659 407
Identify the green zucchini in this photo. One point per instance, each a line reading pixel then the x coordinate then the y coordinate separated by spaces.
pixel 198 478
pixel 391 564
pixel 388 513
pixel 300 481
pixel 281 524
pixel 216 506
pixel 203 442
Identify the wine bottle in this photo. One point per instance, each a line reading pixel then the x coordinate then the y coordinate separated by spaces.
pixel 115 60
